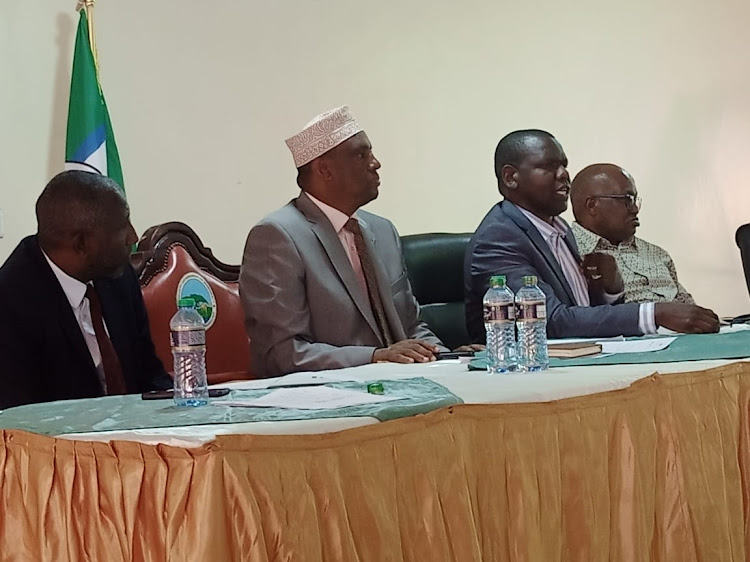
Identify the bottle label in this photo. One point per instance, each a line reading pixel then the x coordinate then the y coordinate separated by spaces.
pixel 188 338
pixel 499 312
pixel 532 311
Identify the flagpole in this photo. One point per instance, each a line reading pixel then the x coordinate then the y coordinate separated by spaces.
pixel 88 6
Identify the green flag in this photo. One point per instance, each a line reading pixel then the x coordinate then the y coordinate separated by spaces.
pixel 90 142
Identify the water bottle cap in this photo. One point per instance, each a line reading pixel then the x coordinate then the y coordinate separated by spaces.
pixel 375 388
pixel 497 281
pixel 529 280
pixel 186 303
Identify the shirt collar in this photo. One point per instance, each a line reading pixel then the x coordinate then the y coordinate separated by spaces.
pixel 547 230
pixel 73 288
pixel 587 241
pixel 590 241
pixel 337 218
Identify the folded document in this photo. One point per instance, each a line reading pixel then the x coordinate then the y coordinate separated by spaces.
pixel 636 346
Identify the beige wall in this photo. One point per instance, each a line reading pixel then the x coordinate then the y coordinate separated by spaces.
pixel 201 100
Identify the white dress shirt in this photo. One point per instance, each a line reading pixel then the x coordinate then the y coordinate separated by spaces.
pixel 76 293
pixel 338 221
pixel 554 234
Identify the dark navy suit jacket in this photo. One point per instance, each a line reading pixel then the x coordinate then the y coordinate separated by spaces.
pixel 43 355
pixel 506 243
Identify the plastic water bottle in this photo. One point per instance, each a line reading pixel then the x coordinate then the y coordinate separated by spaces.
pixel 499 323
pixel 531 320
pixel 188 333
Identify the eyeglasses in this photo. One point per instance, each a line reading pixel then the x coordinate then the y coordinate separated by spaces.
pixel 628 199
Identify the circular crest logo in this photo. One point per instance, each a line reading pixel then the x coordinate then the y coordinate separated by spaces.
pixel 193 286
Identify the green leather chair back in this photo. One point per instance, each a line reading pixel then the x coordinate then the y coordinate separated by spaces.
pixel 742 237
pixel 435 266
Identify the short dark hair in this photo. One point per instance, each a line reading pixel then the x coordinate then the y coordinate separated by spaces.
pixel 511 148
pixel 75 200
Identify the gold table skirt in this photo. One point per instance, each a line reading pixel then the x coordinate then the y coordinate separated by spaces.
pixel 659 471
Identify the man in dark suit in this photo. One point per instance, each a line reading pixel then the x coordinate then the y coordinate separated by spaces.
pixel 524 235
pixel 74 323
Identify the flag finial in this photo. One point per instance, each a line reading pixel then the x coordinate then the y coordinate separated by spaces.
pixel 84 4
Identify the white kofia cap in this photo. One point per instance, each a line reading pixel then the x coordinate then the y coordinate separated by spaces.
pixel 320 135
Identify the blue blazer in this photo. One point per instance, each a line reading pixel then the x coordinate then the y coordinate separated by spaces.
pixel 506 243
pixel 43 355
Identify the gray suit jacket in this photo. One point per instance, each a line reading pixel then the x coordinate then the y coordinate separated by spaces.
pixel 304 308
pixel 506 243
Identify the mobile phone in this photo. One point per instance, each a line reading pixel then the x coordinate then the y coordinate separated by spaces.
pixel 454 355
pixel 167 394
pixel 742 319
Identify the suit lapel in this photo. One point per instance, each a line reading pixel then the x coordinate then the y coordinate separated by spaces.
pixel 542 247
pixel 570 241
pixel 328 238
pixel 384 286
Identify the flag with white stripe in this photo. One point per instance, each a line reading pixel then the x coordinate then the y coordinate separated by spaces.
pixel 90 142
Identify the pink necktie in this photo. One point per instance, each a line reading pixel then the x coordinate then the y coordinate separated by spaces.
pixel 368 271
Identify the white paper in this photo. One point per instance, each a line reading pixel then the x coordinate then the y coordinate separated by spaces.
pixel 291 380
pixel 636 346
pixel 311 379
pixel 586 340
pixel 308 398
pixel 722 330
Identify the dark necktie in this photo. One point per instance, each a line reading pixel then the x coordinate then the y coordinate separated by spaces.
pixel 110 362
pixel 368 270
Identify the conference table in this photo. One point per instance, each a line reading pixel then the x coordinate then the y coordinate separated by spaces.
pixel 612 462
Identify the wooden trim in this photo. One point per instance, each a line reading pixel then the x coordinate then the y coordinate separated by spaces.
pixel 154 247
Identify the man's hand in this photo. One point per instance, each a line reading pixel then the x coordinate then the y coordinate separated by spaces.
pixel 602 273
pixel 406 351
pixel 686 318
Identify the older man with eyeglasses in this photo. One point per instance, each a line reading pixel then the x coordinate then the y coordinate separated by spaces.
pixel 605 204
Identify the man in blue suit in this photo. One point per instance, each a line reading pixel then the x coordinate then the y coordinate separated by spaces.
pixel 524 235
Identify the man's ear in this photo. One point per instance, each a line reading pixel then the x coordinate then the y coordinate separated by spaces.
pixel 509 176
pixel 591 205
pixel 321 168
pixel 80 242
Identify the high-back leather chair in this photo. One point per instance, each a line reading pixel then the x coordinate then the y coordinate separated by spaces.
pixel 435 266
pixel 172 263
pixel 742 238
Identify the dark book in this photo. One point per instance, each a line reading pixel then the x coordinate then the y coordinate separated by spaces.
pixel 571 350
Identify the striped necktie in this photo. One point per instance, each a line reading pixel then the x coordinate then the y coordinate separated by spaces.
pixel 368 271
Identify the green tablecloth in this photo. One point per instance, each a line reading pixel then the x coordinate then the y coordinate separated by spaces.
pixel 117 413
pixel 688 347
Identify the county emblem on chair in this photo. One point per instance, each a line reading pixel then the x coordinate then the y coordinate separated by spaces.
pixel 193 286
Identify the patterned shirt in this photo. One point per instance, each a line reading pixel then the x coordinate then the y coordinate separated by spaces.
pixel 647 270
